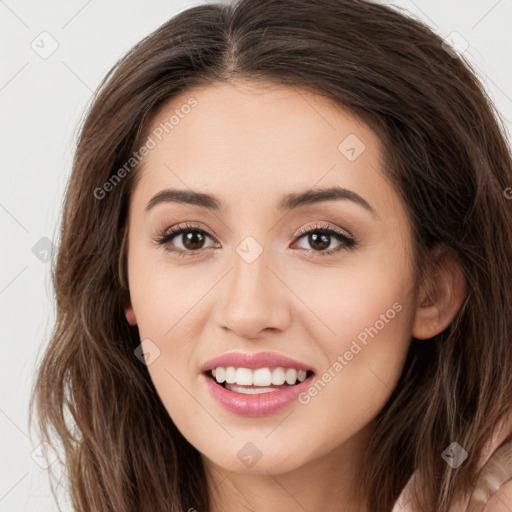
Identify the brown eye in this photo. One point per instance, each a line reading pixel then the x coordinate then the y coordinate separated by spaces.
pixel 320 239
pixel 184 239
pixel 192 240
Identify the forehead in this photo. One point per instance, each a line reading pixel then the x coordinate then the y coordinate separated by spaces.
pixel 248 143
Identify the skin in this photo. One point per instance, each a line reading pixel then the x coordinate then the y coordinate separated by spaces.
pixel 249 144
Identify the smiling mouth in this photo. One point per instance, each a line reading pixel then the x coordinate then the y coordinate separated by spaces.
pixel 258 381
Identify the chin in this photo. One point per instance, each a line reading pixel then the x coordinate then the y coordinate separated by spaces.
pixel 258 457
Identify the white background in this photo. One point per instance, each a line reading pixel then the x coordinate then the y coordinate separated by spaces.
pixel 41 102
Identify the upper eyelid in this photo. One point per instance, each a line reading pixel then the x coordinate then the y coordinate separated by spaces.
pixel 174 231
pixel 178 228
pixel 318 227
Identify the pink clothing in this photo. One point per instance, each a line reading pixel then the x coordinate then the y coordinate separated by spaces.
pixel 493 491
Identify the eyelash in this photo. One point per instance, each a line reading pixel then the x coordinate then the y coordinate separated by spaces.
pixel 166 236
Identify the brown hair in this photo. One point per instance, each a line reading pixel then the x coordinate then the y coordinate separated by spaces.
pixel 447 155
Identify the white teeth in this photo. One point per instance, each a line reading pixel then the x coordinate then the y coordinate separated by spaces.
pixel 261 377
pixel 244 377
pixel 230 375
pixel 220 375
pixel 291 376
pixel 278 376
pixel 249 391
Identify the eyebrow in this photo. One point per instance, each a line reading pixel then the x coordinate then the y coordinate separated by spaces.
pixel 287 202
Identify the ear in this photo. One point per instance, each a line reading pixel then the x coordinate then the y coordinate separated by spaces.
pixel 130 314
pixel 441 296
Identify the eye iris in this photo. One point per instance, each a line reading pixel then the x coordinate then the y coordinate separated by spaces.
pixel 322 240
pixel 193 240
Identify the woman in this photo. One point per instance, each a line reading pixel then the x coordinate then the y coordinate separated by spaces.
pixel 283 276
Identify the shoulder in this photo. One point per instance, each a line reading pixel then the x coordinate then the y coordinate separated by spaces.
pixel 493 490
pixel 501 500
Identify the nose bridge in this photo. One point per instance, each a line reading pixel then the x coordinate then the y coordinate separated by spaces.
pixel 250 275
pixel 252 300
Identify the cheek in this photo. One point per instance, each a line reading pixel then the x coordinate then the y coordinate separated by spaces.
pixel 163 296
pixel 358 299
pixel 165 300
pixel 365 335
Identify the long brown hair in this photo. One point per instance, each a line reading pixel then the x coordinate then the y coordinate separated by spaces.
pixel 445 151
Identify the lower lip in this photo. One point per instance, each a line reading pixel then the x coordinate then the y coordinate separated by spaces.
pixel 255 405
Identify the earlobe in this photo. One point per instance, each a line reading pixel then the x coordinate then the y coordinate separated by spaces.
pixel 441 297
pixel 130 314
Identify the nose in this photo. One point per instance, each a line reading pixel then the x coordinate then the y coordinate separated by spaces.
pixel 254 299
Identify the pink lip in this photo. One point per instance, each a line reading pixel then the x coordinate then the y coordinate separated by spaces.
pixel 255 405
pixel 254 361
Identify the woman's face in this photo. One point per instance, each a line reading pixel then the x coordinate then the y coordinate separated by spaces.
pixel 243 280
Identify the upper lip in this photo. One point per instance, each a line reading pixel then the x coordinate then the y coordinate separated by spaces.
pixel 254 361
